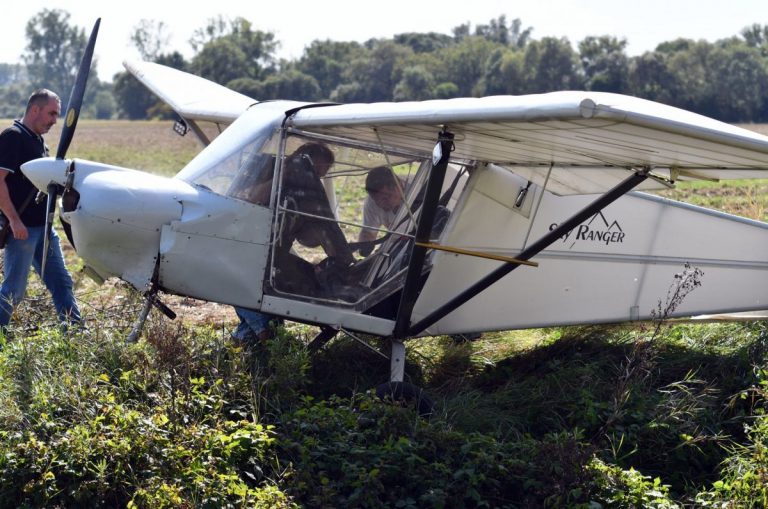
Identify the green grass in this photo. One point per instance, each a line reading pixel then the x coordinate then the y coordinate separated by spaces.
pixel 747 198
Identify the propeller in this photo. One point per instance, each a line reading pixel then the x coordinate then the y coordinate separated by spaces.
pixel 67 133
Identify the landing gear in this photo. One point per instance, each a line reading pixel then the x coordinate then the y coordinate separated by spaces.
pixel 397 390
pixel 403 392
pixel 151 300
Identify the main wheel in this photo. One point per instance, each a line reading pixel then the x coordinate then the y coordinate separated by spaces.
pixel 407 393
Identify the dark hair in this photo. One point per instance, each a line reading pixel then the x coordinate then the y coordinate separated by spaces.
pixel 379 178
pixel 40 97
pixel 316 150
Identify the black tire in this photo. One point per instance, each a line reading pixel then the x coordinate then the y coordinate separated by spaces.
pixel 407 393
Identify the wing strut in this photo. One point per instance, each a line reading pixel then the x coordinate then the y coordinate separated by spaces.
pixel 609 197
pixel 440 157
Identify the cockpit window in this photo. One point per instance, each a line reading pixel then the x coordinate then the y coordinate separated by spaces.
pixel 244 174
pixel 345 218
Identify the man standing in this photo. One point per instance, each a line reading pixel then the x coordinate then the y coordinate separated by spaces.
pixel 20 143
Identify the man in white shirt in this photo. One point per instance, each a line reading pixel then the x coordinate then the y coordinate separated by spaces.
pixel 385 195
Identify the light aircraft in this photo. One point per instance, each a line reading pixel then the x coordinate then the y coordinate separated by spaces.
pixel 520 211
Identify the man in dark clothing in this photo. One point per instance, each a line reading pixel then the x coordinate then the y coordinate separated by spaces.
pixel 20 143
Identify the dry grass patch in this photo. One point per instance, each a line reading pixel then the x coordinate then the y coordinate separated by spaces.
pixel 149 146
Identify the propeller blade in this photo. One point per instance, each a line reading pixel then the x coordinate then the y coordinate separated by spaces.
pixel 50 208
pixel 76 96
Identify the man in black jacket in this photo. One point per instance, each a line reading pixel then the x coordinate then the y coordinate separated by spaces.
pixel 23 142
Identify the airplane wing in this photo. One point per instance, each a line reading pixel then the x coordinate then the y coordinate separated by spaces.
pixel 576 142
pixel 192 97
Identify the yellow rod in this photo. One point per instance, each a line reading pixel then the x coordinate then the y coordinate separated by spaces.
pixel 479 254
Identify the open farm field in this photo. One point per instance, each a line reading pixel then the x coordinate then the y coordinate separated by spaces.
pixel 658 415
pixel 748 198
pixel 142 145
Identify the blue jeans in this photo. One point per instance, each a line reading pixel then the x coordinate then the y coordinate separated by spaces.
pixel 19 257
pixel 251 323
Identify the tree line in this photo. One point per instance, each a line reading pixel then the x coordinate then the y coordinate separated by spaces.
pixel 726 79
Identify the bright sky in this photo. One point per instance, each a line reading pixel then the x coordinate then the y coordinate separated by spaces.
pixel 296 23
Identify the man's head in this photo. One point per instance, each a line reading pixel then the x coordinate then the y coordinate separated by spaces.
pixel 43 110
pixel 383 189
pixel 322 157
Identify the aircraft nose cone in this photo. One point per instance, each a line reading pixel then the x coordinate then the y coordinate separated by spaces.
pixel 46 170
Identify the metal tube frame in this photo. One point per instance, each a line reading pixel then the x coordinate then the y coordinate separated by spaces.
pixel 411 286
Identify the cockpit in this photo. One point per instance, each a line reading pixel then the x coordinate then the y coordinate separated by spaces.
pixel 336 238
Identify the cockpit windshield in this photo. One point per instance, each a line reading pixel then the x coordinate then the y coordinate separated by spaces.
pixel 240 161
pixel 344 212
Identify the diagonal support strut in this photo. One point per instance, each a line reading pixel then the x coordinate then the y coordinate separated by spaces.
pixel 440 157
pixel 599 204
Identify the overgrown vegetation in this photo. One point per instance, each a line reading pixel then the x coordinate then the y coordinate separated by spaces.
pixel 580 417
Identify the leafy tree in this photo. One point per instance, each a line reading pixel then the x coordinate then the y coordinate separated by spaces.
pixel 12 73
pixel 221 61
pixel 173 59
pixel 378 71
pixel 504 73
pixel 53 52
pixel 550 65
pixel 518 38
pixel 756 36
pixel 133 99
pixel 150 38
pixel 353 92
pixel 498 31
pixel 248 86
pixel 103 105
pixel 650 78
pixel 605 63
pixel 424 42
pixel 326 62
pixel 675 46
pixel 465 63
pixel 292 85
pixel 446 91
pixel 689 62
pixel 215 28
pixel 13 100
pixel 416 85
pixel 232 49
pixel 461 32
pixel 742 79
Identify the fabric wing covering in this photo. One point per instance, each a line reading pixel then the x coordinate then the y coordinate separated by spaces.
pixel 579 142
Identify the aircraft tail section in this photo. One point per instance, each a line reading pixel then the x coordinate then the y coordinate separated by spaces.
pixel 619 265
